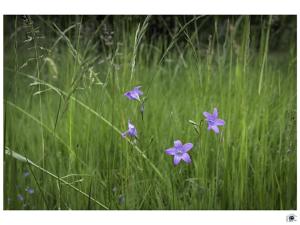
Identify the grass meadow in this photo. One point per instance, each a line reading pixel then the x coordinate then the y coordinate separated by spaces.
pixel 65 111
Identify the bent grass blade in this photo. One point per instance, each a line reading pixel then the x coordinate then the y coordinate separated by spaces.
pixel 21 158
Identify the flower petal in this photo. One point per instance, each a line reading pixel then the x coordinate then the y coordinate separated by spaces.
pixel 135 95
pixel 177 159
pixel 124 134
pixel 207 115
pixel 137 90
pixel 128 95
pixel 130 125
pixel 186 147
pixel 215 129
pixel 186 157
pixel 177 144
pixel 132 132
pixel 215 113
pixel 219 122
pixel 132 95
pixel 170 151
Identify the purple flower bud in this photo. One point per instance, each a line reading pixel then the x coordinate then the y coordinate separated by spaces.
pixel 142 109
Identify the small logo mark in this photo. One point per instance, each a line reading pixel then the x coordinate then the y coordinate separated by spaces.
pixel 291 218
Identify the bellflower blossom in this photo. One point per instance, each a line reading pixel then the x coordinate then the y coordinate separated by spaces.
pixel 132 132
pixel 134 94
pixel 179 151
pixel 213 121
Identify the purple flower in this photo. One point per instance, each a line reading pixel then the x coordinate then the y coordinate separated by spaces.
pixel 29 190
pixel 20 197
pixel 213 121
pixel 134 94
pixel 26 173
pixel 179 151
pixel 132 132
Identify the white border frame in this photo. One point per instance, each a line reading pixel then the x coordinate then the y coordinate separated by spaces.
pixel 126 7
